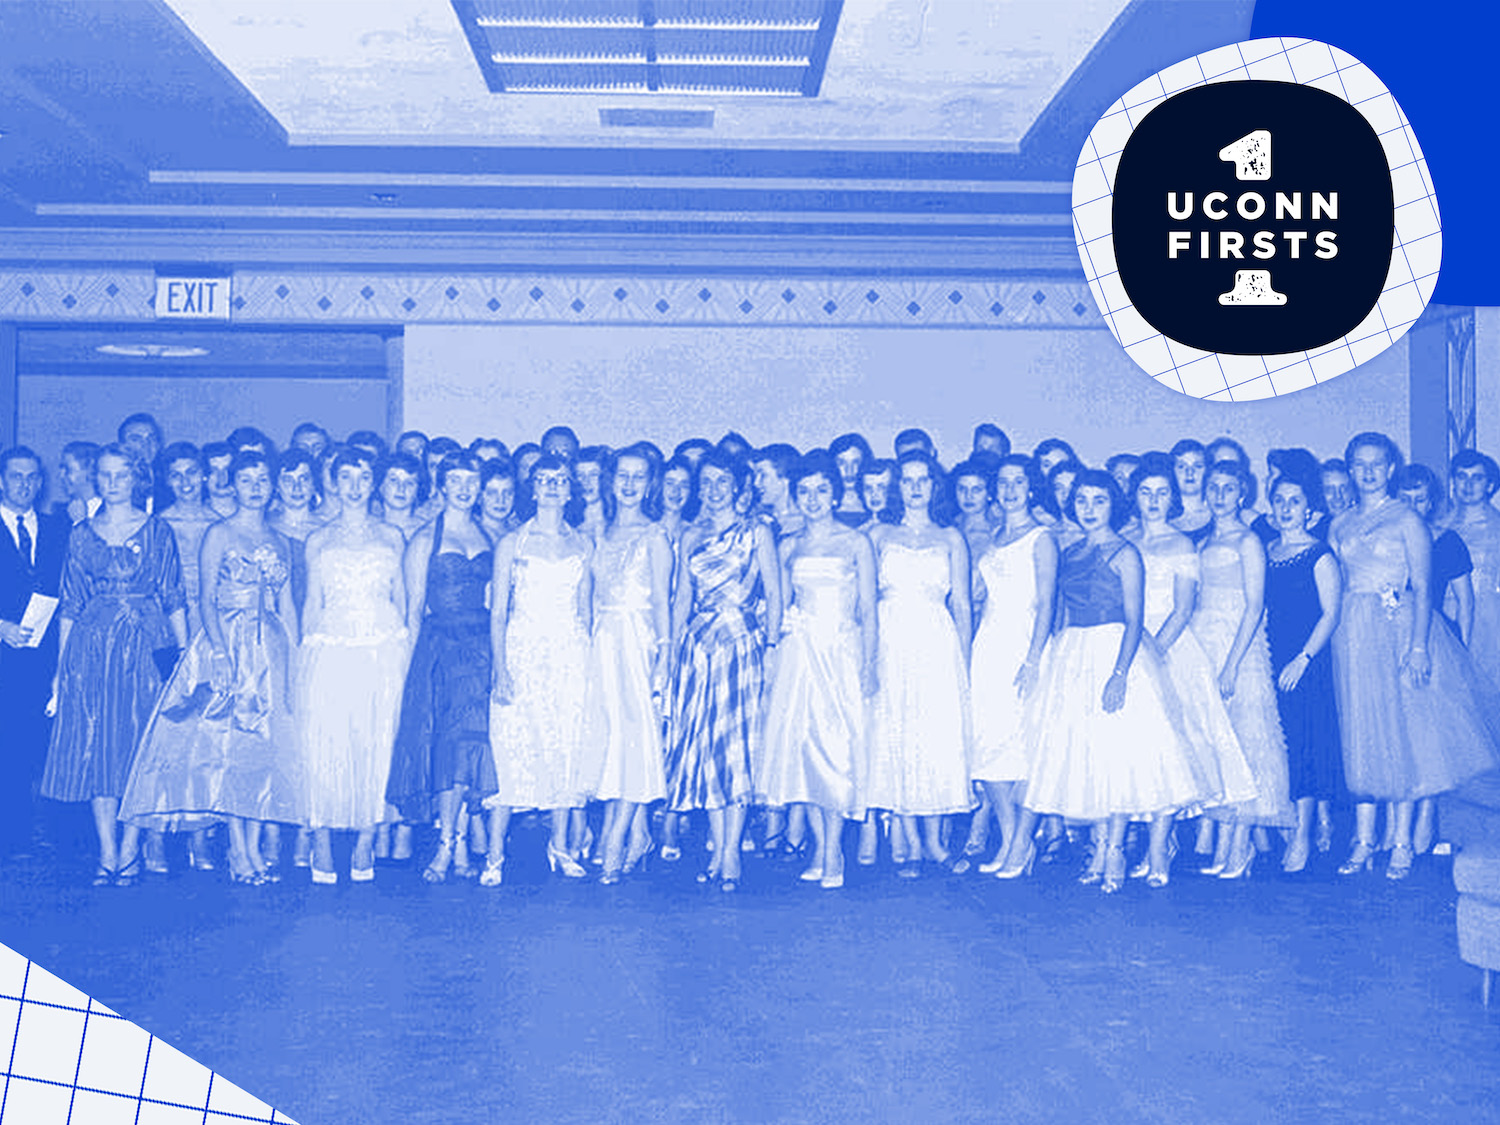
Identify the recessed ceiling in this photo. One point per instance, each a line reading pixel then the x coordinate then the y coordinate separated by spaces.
pixel 900 74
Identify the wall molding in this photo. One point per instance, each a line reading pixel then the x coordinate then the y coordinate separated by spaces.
pixel 388 298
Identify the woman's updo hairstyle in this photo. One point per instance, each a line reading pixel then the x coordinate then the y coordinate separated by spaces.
pixel 815 463
pixel 727 461
pixel 1156 464
pixel 1379 441
pixel 1236 470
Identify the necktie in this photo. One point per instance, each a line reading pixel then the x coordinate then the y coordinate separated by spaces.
pixel 23 541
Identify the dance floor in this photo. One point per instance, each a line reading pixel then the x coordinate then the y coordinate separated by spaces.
pixel 941 1000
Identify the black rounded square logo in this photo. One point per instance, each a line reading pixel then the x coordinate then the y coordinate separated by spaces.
pixel 1253 217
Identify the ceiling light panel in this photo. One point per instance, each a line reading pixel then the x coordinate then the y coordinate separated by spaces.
pixel 718 47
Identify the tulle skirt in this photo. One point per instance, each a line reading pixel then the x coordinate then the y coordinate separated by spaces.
pixel 348 695
pixel 1210 735
pixel 1088 764
pixel 1255 718
pixel 1403 742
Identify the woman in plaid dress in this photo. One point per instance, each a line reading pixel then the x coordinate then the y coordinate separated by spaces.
pixel 715 713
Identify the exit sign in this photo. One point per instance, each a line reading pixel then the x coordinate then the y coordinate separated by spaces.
pixel 192 298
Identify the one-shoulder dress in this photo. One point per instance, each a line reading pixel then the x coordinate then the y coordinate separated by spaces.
pixel 714 725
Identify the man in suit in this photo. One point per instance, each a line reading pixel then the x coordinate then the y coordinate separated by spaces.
pixel 33 546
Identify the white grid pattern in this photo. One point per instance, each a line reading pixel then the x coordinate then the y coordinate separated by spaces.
pixel 1237 378
pixel 72 1061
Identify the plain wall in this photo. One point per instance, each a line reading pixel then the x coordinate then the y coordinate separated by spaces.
pixel 615 383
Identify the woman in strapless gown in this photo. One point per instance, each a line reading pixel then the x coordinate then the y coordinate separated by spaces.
pixel 1229 623
pixel 1171 594
pixel 622 762
pixel 222 742
pixel 1412 708
pixel 815 749
pixel 442 749
pixel 1019 573
pixel 539 630
pixel 920 730
pixel 352 665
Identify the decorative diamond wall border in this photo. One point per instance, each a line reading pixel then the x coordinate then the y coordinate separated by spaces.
pixel 387 298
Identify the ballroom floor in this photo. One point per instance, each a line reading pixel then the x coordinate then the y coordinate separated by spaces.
pixel 941 1000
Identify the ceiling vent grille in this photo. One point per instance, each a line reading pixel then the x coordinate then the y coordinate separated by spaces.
pixel 775 48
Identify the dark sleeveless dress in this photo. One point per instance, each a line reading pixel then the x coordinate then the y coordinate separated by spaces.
pixel 443 738
pixel 1309 714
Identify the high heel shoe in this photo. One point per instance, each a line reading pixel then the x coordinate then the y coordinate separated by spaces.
pixel 437 870
pixel 1401 859
pixel 670 853
pixel 198 861
pixel 1156 880
pixel 1239 868
pixel 1114 870
pixel 1297 855
pixel 1324 839
pixel 493 869
pixel 246 876
pixel 103 876
pixel 637 858
pixel 562 861
pixel 1142 869
pixel 461 865
pixel 1362 858
pixel 128 875
pixel 1016 870
pixel 813 874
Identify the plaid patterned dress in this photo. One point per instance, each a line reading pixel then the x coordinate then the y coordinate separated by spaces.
pixel 714 725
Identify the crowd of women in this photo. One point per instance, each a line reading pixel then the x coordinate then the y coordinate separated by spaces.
pixel 969 665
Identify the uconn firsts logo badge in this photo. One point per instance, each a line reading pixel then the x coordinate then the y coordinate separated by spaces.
pixel 1258 229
